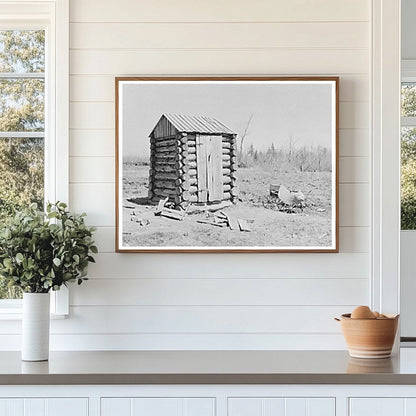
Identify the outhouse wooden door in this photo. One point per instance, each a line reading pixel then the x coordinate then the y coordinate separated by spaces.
pixel 209 168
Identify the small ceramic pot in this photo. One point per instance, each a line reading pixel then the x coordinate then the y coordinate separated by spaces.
pixel 369 338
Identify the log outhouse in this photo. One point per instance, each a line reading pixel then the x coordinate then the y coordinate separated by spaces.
pixel 192 159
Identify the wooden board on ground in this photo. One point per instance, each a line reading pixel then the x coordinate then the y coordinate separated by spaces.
pixel 160 205
pixel 233 222
pixel 211 208
pixel 211 223
pixel 171 213
pixel 244 226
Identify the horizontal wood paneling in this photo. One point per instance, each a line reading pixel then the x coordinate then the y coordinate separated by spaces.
pixel 352 239
pixel 222 35
pixel 354 142
pixel 93 143
pixel 105 239
pixel 146 342
pixel 354 208
pixel 354 170
pixel 218 11
pixel 101 88
pixel 234 62
pixel 277 265
pixel 220 291
pixel 201 319
pixel 92 169
pixel 92 88
pixel 81 115
pixel 287 296
pixel 352 115
pixel 96 199
pixel 194 320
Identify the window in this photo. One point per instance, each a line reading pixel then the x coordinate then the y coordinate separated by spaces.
pixel 408 154
pixel 22 124
pixel 33 111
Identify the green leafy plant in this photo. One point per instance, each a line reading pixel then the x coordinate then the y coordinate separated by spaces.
pixel 43 251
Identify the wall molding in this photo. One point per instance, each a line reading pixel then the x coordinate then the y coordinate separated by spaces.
pixel 385 98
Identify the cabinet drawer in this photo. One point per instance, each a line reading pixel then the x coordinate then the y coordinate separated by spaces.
pixel 280 406
pixel 160 406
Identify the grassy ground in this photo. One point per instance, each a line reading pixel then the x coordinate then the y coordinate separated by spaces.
pixel 270 227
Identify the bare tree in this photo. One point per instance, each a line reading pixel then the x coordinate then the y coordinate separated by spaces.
pixel 243 136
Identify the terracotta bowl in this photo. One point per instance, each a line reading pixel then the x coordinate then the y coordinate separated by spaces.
pixel 369 338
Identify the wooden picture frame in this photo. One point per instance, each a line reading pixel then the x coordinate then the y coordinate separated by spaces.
pixel 227 164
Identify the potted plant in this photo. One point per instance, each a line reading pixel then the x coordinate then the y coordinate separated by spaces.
pixel 40 252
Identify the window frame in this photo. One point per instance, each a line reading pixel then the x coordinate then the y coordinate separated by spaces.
pixel 53 17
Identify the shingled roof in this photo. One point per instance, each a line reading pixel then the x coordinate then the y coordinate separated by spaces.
pixel 197 124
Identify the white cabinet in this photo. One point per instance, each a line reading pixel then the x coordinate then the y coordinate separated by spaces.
pixel 146 406
pixel 281 406
pixel 44 407
pixel 382 406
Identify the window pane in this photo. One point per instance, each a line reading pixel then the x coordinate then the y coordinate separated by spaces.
pixel 408 178
pixel 21 182
pixel 22 105
pixel 22 51
pixel 21 173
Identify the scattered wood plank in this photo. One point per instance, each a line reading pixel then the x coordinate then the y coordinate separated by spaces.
pixel 244 226
pixel 220 214
pixel 209 208
pixel 233 222
pixel 172 213
pixel 160 205
pixel 216 224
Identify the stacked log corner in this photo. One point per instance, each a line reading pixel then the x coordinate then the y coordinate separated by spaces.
pixel 174 172
pixel 232 187
pixel 167 174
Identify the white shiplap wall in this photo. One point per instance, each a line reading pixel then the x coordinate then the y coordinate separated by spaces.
pixel 218 301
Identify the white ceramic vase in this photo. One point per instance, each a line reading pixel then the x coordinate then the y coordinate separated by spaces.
pixel 35 326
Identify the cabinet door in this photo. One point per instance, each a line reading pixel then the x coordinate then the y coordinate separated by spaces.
pixel 377 407
pixel 253 406
pixel 160 406
pixel 382 407
pixel 44 407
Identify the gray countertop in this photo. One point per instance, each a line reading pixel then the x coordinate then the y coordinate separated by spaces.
pixel 207 367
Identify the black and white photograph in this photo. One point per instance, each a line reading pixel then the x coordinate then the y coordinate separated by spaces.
pixel 227 164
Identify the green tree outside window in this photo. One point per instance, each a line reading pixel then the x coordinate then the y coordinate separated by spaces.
pixel 22 124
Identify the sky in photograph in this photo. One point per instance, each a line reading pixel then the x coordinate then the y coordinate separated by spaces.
pixel 283 113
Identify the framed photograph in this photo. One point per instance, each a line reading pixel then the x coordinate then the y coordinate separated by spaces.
pixel 227 164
